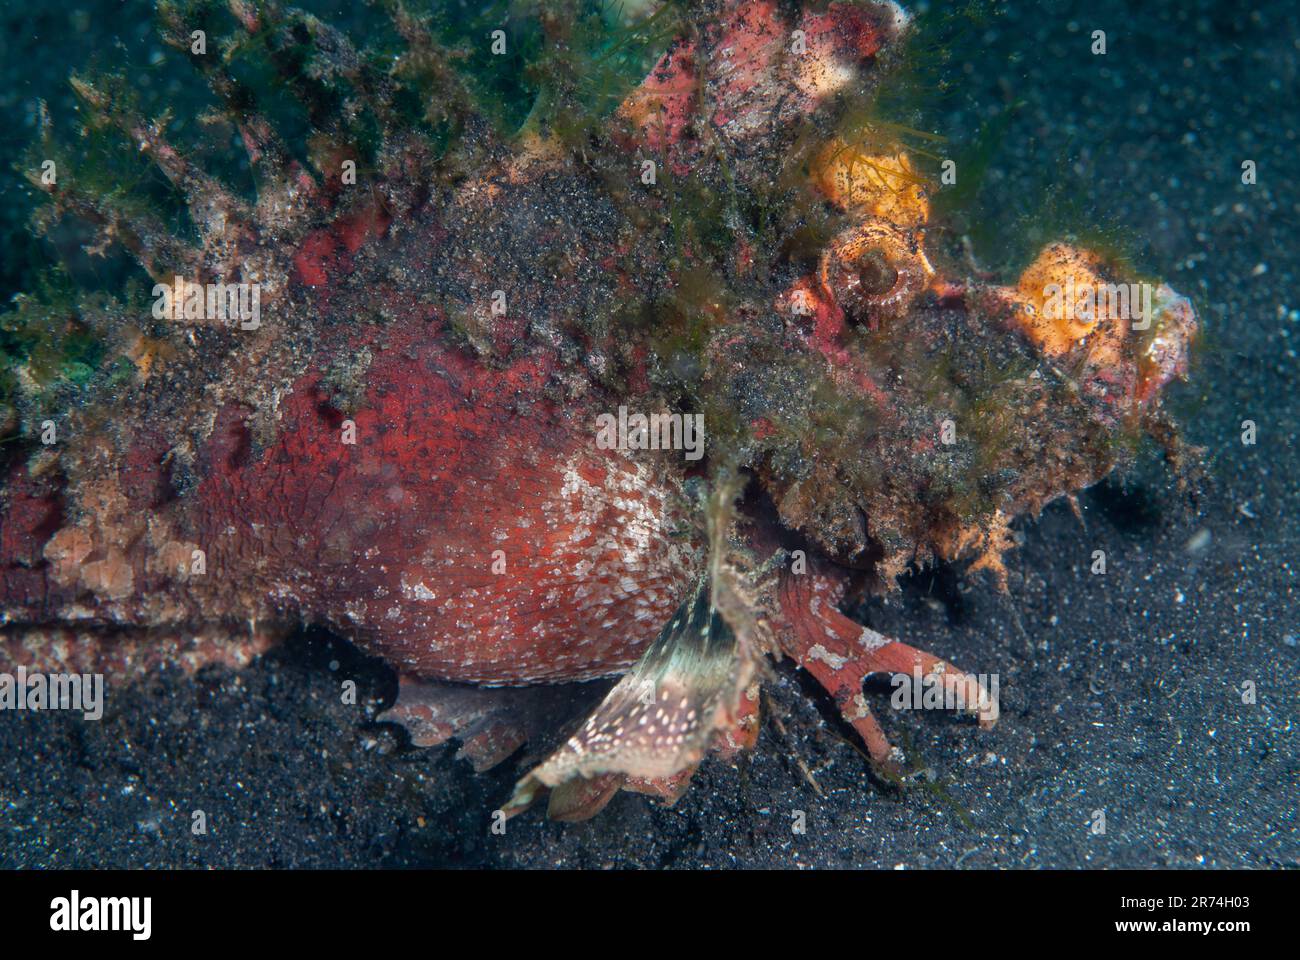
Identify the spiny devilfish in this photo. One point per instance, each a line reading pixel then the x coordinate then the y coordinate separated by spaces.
pixel 404 448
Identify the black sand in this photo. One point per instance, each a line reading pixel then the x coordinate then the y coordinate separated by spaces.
pixel 1121 693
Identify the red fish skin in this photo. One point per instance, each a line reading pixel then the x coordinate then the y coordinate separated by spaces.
pixel 474 531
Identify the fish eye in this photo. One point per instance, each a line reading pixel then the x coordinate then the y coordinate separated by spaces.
pixel 862 280
pixel 876 276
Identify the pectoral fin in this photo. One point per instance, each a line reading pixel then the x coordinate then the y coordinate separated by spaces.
pixel 657 722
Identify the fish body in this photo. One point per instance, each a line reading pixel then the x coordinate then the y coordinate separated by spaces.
pixel 436 438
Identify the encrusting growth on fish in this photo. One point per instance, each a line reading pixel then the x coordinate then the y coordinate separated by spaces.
pixel 404 444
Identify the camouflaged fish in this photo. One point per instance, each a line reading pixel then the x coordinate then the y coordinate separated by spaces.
pixel 458 430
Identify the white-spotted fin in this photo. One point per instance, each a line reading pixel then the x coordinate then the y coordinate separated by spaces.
pixel 655 723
